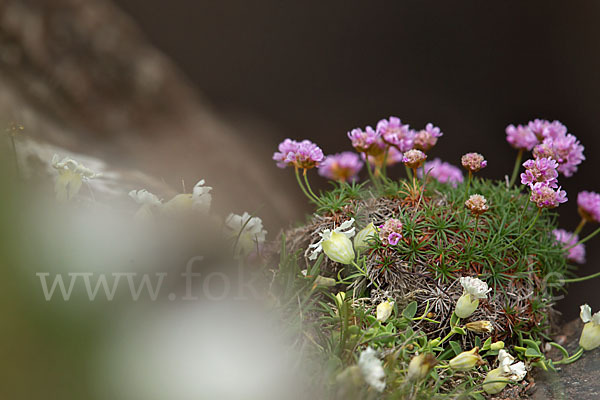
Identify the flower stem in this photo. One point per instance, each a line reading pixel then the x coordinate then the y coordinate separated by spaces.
pixel 468 186
pixel 585 239
pixel 384 164
pixel 571 359
pixel 371 176
pixel 516 169
pixel 581 279
pixel 309 189
pixel 302 186
pixel 525 231
pixel 579 227
pixel 408 172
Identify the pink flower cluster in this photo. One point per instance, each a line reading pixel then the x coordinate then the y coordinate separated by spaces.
pixel 589 206
pixel 304 154
pixel 427 138
pixel 541 170
pixel 393 137
pixel 395 133
pixel 568 239
pixel 443 172
pixel 390 232
pixel 414 158
pixel 521 137
pixel 342 167
pixel 548 140
pixel 546 197
pixel 473 162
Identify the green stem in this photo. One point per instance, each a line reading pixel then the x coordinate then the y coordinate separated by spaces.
pixel 309 188
pixel 370 171
pixel 14 148
pixel 579 227
pixel 302 186
pixel 585 239
pixel 408 172
pixel 581 279
pixel 384 165
pixel 468 186
pixel 364 273
pixel 525 231
pixel 515 172
pixel 448 336
pixel 571 359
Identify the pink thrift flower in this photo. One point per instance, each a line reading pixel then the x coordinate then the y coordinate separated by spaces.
pixel 394 156
pixel 546 197
pixel 304 154
pixel 367 141
pixel 442 172
pixel 427 138
pixel 393 238
pixel 395 133
pixel 390 232
pixel 286 147
pixel 562 147
pixel 342 167
pixel 414 158
pixel 589 206
pixel 521 137
pixel 473 162
pixel 540 170
pixel 567 239
pixel 477 204
pixel 545 129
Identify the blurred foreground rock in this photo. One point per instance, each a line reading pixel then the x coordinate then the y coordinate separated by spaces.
pixel 79 76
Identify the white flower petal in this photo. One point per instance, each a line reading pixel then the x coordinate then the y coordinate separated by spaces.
pixel 596 318
pixel 372 369
pixel 517 371
pixel 475 287
pixel 585 313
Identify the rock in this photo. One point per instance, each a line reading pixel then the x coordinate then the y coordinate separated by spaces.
pixel 578 380
pixel 80 76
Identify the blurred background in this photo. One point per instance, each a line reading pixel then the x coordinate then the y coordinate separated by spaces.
pixel 317 69
pixel 162 92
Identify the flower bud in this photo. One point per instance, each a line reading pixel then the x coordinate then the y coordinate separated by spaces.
pixel 466 360
pixel 419 366
pixel 495 381
pixel 338 248
pixel 480 326
pixel 362 237
pixel 339 299
pixel 590 336
pixel 466 305
pixel 384 310
pixel 499 345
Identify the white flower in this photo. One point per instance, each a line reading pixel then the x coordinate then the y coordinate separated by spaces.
pixel 201 197
pixel 590 336
pixel 71 174
pixel 199 200
pixel 384 310
pixel 247 230
pixel 144 197
pixel 345 228
pixel 147 202
pixel 475 287
pixel 372 369
pixel 497 379
pixel 473 290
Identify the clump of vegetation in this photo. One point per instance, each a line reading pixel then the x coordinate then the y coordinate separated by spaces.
pixel 431 285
